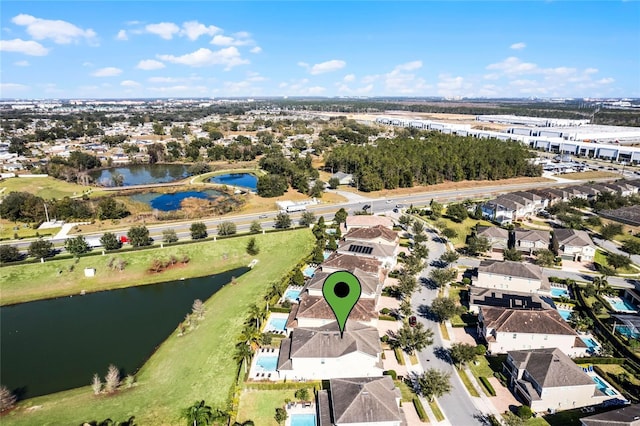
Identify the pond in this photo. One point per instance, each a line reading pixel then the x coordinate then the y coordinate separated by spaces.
pixel 244 180
pixel 171 202
pixel 141 174
pixel 58 344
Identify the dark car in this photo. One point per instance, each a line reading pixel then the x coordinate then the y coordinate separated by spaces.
pixel 413 321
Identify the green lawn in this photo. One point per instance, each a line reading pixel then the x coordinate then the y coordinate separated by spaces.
pixel 47 187
pixel 7 230
pixel 436 410
pixel 405 390
pixel 260 405
pixel 462 229
pixel 482 369
pixel 601 258
pixel 197 366
pixel 467 383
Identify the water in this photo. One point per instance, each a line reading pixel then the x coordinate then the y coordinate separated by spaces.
pixel 303 420
pixel 603 387
pixel 309 271
pixel 58 344
pixel 141 174
pixel 292 295
pixel 621 305
pixel 244 180
pixel 559 292
pixel 627 332
pixel 266 363
pixel 171 202
pixel 564 313
pixel 277 324
pixel 591 344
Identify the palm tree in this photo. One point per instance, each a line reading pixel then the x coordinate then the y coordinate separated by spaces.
pixel 243 353
pixel 257 313
pixel 600 283
pixel 250 335
pixel 198 414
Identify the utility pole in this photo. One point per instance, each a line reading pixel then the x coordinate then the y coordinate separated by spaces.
pixel 45 211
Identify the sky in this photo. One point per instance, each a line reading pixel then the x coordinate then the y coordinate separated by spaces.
pixel 164 49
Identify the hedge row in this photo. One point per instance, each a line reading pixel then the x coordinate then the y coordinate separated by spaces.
pixel 316 385
pixel 386 318
pixel 487 385
pixel 420 409
pixel 279 309
pixel 399 357
pixel 599 360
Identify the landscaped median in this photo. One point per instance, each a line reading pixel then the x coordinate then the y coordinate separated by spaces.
pixel 194 367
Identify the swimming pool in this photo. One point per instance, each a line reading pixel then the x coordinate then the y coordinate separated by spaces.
pixel 565 313
pixel 309 271
pixel 603 387
pixel 266 363
pixel 292 294
pixel 326 254
pixel 559 292
pixel 591 344
pixel 303 420
pixel 277 324
pixel 621 305
pixel 627 332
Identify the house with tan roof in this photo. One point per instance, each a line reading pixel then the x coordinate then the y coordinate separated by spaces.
pixel 507 330
pixel 360 401
pixel 370 283
pixel 575 245
pixel 314 311
pixel 367 221
pixel 497 237
pixel 321 353
pixel 531 240
pixel 511 276
pixel 349 262
pixel 376 235
pixel 548 380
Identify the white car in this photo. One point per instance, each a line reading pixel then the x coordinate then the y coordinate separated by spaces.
pixel 388 201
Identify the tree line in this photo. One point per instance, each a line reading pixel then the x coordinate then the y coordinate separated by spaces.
pixel 429 159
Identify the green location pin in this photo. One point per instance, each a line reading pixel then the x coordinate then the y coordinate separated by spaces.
pixel 342 291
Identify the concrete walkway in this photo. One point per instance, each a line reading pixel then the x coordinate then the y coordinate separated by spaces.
pixel 66 228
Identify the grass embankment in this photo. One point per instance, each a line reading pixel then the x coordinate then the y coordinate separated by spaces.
pixel 48 187
pixel 184 369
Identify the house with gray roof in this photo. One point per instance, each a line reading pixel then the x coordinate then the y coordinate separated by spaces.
pixel 511 276
pixel 343 178
pixel 506 299
pixel 548 380
pixel 497 237
pixel 314 311
pixel 626 416
pixel 377 234
pixel 575 245
pixel 385 254
pixel 370 283
pixel 506 329
pixel 349 262
pixel 530 240
pixel 360 401
pixel 322 353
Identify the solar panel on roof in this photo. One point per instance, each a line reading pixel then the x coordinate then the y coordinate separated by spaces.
pixel 360 249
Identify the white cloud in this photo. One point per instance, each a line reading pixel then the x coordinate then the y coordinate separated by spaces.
pixel 591 71
pixel 241 39
pixel 164 30
pixel 6 88
pixel 300 88
pixel 22 63
pixel 401 81
pixel 518 46
pixel 61 32
pixel 328 66
pixel 229 57
pixel 194 29
pixel 107 72
pixel 27 47
pixel 513 66
pixel 122 35
pixel 164 79
pixel 129 83
pixel 409 66
pixel 150 64
pixel 256 49
pixel 607 80
pixel 349 77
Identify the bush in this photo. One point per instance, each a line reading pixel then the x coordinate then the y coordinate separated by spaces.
pixel 420 409
pixel 487 385
pixel 385 311
pixel 524 412
pixel 386 318
pixel 391 373
pixel 398 354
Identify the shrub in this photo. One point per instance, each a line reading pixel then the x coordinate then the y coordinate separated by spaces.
pixel 420 409
pixel 391 373
pixel 385 311
pixel 487 385
pixel 398 354
pixel 524 412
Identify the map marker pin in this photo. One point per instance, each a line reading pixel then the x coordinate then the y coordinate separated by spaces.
pixel 342 291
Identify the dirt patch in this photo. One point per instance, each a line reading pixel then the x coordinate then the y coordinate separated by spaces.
pixel 590 175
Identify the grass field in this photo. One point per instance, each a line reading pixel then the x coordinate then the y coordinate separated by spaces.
pixel 7 230
pixel 195 367
pixel 594 174
pixel 46 187
pixel 601 258
pixel 260 405
pixel 463 229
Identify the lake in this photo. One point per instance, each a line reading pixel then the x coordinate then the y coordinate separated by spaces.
pixel 141 174
pixel 244 180
pixel 58 344
pixel 171 202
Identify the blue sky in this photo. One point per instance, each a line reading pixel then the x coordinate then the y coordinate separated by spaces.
pixel 217 49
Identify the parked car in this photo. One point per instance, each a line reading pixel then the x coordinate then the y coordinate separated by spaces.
pixel 262 216
pixel 413 321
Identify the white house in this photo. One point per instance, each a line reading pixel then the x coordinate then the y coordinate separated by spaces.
pixel 385 254
pixel 370 283
pixel 359 401
pixel 530 240
pixel 497 237
pixel 377 235
pixel 321 353
pixel 575 245
pixel 314 311
pixel 349 262
pixel 511 276
pixel 367 221
pixel 547 379
pixel 507 330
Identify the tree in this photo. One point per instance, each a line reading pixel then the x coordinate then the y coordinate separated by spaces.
pixel 281 415
pixel 41 248
pixel 545 257
pixel 271 185
pixel 252 247
pixel 341 216
pixel 580 321
pixel 405 308
pixel 109 208
pixel 318 253
pixel 441 277
pixel 449 233
pixel 462 353
pixel 7 399
pixel 457 212
pixel 405 220
pixel 433 383
pixel 555 245
pixel 332 244
pixel 255 227
pixel 198 414
pixel 110 241
pixel 169 236
pixel 524 412
pixel 511 419
pixel 112 379
pixel 307 218
pixel 302 394
pixel 417 227
pixel 199 169
pixel 198 230
pixel 198 308
pixel 632 245
pixel 444 308
pixel 317 189
pixel 96 384
pixel 412 339
pixel 610 230
pixel 227 228
pixel 512 254
pixel 139 236
pixel 436 208
pixel 9 254
pixel 449 256
pixel 477 245
pixel 158 128
pixel 76 246
pixel 600 284
pixel 334 182
pixel 597 307
pixel 282 221
pixel 618 260
pixel 407 284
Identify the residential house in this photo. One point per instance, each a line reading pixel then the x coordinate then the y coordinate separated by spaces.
pixel 506 299
pixel 530 240
pixel 343 178
pixel 497 237
pixel 366 221
pixel 314 311
pixel 575 245
pixel 385 254
pixel 376 234
pixel 511 276
pixel 360 401
pixel 348 262
pixel 548 380
pixel 369 282
pixel 322 353
pixel 539 202
pixel 507 330
pixel 626 416
pixel 501 211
